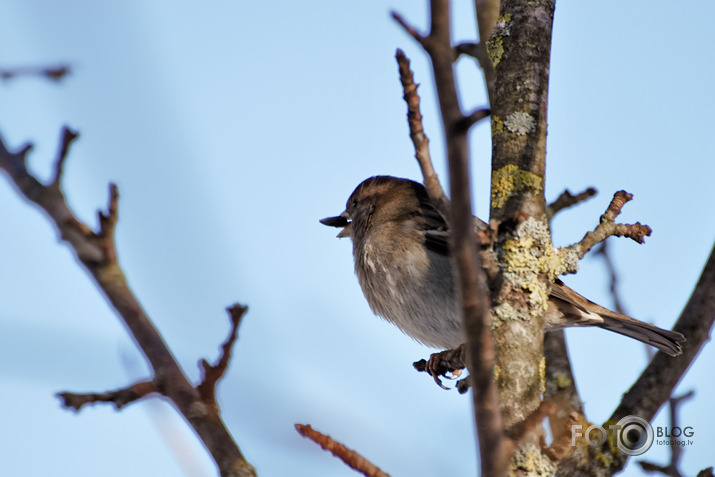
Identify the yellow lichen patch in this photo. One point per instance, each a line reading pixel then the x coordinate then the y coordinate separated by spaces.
pixel 495 49
pixel 562 381
pixel 529 459
pixel 495 44
pixel 542 374
pixel 528 257
pixel 604 459
pixel 497 125
pixel 497 372
pixel 509 180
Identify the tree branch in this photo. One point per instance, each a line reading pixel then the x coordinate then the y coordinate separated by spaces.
pixel 607 227
pixel 566 200
pixel 119 398
pixel 469 277
pixel 351 458
pixel 487 14
pixel 417 133
pixel 213 373
pixel 655 385
pixel 56 73
pixel 97 253
pixel 676 451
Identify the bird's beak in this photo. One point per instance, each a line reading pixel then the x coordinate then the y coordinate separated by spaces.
pixel 342 220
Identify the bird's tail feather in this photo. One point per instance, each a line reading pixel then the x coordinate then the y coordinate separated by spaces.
pixel 665 340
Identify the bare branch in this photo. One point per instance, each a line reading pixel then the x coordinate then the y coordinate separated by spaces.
pixel 56 73
pixel 532 421
pixel 469 277
pixel 560 389
pixel 655 385
pixel 474 117
pixel 68 137
pixel 676 451
pixel 418 136
pixel 96 251
pixel 613 280
pixel 120 397
pixel 421 39
pixel 487 14
pixel 351 458
pixel 213 373
pixel 566 200
pixel 608 227
pixel 562 443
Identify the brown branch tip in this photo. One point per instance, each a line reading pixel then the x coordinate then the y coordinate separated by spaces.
pixel 351 458
pixel 213 373
pixel 412 31
pixel 68 137
pixel 119 398
pixel 567 199
pixel 419 139
pixel 608 228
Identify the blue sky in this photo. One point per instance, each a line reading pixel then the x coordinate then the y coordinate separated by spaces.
pixel 230 129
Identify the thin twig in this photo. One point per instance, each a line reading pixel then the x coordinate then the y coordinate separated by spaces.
pixel 120 397
pixel 566 200
pixel 96 251
pixel 470 279
pixel 68 137
pixel 487 14
pixel 56 73
pixel 607 227
pixel 603 250
pixel 351 458
pixel 655 385
pixel 418 136
pixel 213 373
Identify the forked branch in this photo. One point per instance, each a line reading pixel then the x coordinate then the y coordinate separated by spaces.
pixel 97 252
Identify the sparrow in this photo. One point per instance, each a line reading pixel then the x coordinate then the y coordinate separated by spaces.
pixel 401 255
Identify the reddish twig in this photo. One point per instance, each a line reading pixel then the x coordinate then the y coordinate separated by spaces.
pixel 418 136
pixel 351 458
pixel 213 373
pixel 119 398
pixel 420 139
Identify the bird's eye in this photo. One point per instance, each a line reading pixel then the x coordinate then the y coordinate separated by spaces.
pixel 354 203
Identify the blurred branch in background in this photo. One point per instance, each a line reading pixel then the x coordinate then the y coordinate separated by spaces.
pixel 676 450
pixel 56 73
pixel 96 251
pixel 350 457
